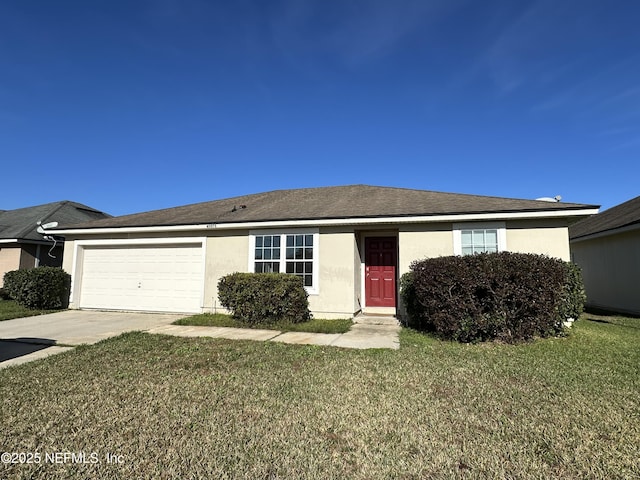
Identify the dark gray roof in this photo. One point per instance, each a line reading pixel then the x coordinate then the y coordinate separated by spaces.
pixel 21 223
pixel 623 215
pixel 343 202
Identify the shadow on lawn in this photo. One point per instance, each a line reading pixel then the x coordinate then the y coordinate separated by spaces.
pixel 618 324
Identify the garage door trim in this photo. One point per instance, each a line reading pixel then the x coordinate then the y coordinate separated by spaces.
pixel 80 245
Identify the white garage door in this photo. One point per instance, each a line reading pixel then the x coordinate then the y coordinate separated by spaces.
pixel 158 278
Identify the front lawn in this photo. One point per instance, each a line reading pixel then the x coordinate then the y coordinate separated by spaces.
pixel 170 407
pixel 316 325
pixel 10 309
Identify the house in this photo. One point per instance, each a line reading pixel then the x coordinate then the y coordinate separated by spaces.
pixel 607 248
pixel 350 244
pixel 21 246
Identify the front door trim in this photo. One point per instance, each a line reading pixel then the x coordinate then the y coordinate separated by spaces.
pixel 366 239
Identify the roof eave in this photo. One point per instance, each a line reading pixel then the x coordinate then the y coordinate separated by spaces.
pixel 27 241
pixel 605 233
pixel 465 217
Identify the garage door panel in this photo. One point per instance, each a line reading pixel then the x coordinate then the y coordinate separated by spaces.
pixel 153 278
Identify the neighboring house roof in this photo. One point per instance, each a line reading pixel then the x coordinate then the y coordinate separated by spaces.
pixel 342 202
pixel 623 215
pixel 21 224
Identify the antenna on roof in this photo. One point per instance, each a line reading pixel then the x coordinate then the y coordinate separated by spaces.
pixel 557 198
pixel 41 228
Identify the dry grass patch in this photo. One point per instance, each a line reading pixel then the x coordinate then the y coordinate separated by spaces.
pixel 207 408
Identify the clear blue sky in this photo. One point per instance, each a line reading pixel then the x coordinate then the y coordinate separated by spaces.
pixel 130 106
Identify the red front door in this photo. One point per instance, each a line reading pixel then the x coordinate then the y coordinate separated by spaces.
pixel 380 271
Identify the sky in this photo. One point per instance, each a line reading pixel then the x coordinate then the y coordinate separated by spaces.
pixel 136 105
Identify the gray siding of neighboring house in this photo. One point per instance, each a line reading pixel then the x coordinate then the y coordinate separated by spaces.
pixel 611 270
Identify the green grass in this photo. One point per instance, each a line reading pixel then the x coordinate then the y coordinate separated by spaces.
pixel 318 325
pixel 10 309
pixel 213 408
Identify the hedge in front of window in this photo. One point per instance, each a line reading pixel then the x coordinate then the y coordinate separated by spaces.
pixel 504 296
pixel 264 297
pixel 42 288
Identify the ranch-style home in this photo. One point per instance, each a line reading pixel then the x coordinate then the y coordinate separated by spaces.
pixel 350 245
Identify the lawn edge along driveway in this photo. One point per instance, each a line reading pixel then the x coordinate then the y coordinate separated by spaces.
pixel 67 329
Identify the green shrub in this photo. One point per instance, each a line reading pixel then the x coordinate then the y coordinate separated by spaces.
pixel 505 296
pixel 264 297
pixel 42 288
pixel 409 297
pixel 574 295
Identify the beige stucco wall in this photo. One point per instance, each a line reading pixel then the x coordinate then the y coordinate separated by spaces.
pixel 420 241
pixel 9 260
pixel 340 256
pixel 546 237
pixel 23 256
pixel 611 271
pixel 67 259
pixel 226 254
pixel 336 295
pixel 229 252
pixel 358 281
pixel 549 237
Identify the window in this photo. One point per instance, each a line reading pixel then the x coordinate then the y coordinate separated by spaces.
pixel 299 257
pixel 290 252
pixel 470 238
pixel 267 254
pixel 483 240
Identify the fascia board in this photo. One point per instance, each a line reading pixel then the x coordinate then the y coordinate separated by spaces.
pixel 332 222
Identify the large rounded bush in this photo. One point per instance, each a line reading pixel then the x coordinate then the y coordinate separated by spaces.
pixel 43 288
pixel 505 296
pixel 264 297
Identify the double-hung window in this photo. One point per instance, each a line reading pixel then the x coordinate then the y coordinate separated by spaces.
pixel 267 254
pixel 294 252
pixel 299 257
pixel 479 238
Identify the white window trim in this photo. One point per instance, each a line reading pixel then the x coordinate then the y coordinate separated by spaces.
pixel 499 226
pixel 313 290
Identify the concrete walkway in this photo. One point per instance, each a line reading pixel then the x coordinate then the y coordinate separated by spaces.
pixel 367 332
pixel 26 339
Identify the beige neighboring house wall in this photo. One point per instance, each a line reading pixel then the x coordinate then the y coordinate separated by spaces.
pixel 610 269
pixel 9 260
pixel 24 256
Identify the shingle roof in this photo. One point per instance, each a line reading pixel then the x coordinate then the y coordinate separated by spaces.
pixel 342 202
pixel 623 215
pixel 21 223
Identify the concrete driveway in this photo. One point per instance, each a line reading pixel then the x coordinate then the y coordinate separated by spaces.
pixel 25 339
